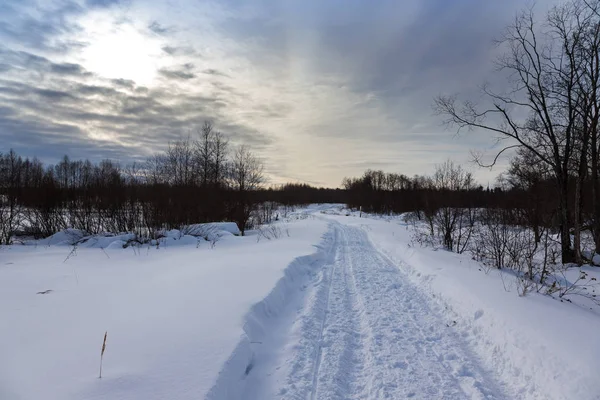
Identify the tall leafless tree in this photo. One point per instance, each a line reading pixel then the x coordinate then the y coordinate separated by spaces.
pixel 553 83
pixel 245 176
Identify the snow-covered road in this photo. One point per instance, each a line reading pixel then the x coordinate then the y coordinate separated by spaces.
pixel 363 331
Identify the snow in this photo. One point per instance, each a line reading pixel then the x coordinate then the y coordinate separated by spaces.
pixel 201 229
pixel 364 332
pixel 66 237
pixel 173 315
pixel 187 235
pixel 341 308
pixel 538 347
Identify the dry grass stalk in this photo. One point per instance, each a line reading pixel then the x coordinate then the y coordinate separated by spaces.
pixel 102 353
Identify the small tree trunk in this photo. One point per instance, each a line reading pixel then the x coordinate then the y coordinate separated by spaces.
pixel 567 253
pixel 577 223
pixel 536 233
pixel 581 175
pixel 595 194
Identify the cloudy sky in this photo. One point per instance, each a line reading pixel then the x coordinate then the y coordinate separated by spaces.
pixel 320 89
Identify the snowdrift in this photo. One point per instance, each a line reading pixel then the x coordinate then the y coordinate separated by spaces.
pixel 262 317
pixel 187 235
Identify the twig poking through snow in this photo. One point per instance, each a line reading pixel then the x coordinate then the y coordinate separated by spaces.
pixel 72 254
pixel 102 353
pixel 105 253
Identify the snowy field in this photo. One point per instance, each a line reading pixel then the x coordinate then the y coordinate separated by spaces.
pixel 328 306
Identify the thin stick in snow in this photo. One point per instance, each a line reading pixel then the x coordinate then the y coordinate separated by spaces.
pixel 102 353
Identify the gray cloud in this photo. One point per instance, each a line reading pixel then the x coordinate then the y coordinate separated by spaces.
pixel 170 50
pixel 176 74
pixel 50 141
pixel 106 3
pixel 181 51
pixel 19 26
pixel 128 83
pixel 68 69
pixel 320 89
pixel 53 95
pixel 212 71
pixel 159 29
pixel 140 120
pixel 35 64
pixel 182 72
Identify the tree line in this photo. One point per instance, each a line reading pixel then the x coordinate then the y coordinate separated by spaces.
pixel 452 191
pixel 193 181
pixel 513 226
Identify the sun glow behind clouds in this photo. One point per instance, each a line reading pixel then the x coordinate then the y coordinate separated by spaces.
pixel 119 50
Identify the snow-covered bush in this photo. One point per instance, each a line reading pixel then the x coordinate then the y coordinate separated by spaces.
pixel 490 236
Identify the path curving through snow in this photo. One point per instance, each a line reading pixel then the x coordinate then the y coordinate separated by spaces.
pixel 362 330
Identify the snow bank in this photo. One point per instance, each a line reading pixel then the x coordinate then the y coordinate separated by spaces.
pixel 106 241
pixel 67 237
pixel 212 228
pixel 189 235
pixel 261 319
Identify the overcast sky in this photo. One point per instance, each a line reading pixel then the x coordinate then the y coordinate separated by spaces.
pixel 320 89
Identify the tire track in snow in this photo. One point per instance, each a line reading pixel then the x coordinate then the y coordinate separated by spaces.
pixel 362 330
pixel 319 355
pixel 414 354
pixel 341 367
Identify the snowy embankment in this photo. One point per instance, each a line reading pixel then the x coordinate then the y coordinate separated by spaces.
pixel 191 234
pixel 174 314
pixel 538 347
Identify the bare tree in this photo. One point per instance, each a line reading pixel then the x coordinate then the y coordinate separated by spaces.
pixel 245 176
pixel 204 152
pixel 211 150
pixel 180 162
pixel 545 66
pixel 11 169
pixel 454 224
pixel 528 176
pixel 220 151
pixel 154 169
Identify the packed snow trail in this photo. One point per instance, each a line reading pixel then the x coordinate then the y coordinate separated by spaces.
pixel 365 332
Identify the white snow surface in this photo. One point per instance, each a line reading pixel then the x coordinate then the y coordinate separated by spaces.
pixel 339 307
pixel 536 346
pixel 173 315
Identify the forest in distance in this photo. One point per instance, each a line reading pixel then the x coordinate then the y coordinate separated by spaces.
pixel 200 181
